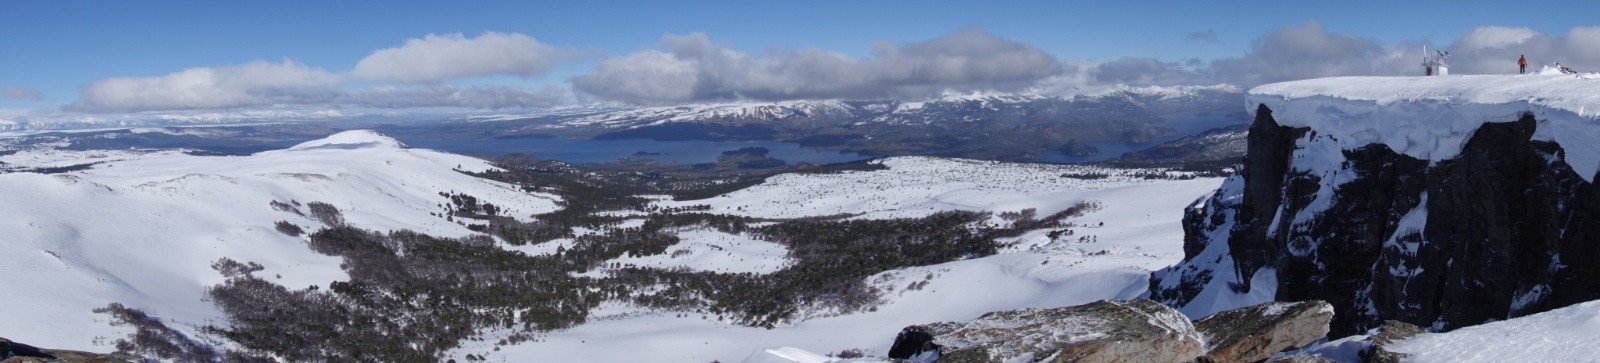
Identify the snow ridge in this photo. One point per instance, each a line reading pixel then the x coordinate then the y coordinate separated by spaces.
pixel 1431 118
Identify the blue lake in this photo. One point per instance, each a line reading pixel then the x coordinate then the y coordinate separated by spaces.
pixel 1184 125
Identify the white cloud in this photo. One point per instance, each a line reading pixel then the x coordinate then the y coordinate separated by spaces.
pixel 446 96
pixel 642 77
pixel 436 57
pixel 691 67
pixel 22 93
pixel 1494 50
pixel 256 83
pixel 1494 37
pixel 1306 51
pixel 1583 45
pixel 287 83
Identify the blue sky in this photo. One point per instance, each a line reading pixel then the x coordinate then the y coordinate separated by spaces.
pixel 57 47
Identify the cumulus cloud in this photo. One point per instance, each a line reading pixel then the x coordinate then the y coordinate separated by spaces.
pixel 287 83
pixel 251 84
pixel 1307 51
pixel 447 96
pixel 1494 37
pixel 1205 36
pixel 1142 72
pixel 693 68
pixel 22 93
pixel 1494 49
pixel 438 57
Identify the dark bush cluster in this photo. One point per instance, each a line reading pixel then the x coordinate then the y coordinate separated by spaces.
pixel 289 229
pixel 326 213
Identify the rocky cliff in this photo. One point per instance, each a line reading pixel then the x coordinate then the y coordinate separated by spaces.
pixel 1442 202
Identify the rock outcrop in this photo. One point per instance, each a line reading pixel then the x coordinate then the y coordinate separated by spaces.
pixel 1108 331
pixel 1391 332
pixel 1103 331
pixel 1255 333
pixel 1502 229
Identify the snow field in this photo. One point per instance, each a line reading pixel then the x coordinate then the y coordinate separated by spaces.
pixel 715 251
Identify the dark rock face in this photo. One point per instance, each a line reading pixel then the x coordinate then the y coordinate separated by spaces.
pixel 1505 229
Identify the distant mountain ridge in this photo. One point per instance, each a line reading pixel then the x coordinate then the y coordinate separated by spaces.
pixel 1002 126
pixel 1159 99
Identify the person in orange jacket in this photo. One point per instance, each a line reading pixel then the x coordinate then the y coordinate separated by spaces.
pixel 1522 64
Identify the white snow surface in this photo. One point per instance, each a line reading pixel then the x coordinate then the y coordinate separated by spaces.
pixel 1431 118
pixel 917 186
pixel 1141 233
pixel 1561 335
pixel 715 251
pixel 143 228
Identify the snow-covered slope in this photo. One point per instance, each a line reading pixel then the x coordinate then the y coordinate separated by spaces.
pixel 1140 232
pixel 1562 335
pixel 1430 118
pixel 143 228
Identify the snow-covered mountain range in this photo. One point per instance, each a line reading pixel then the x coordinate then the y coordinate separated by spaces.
pixel 967 107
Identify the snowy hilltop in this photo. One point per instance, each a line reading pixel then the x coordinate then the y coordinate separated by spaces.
pixel 1442 201
pixel 142 228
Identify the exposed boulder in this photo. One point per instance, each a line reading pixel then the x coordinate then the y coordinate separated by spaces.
pixel 1102 331
pixel 1391 332
pixel 915 343
pixel 1255 333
